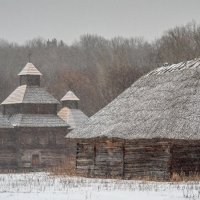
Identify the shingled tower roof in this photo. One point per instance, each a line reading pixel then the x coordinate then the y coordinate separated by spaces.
pixel 70 96
pixel 29 90
pixel 30 94
pixel 165 103
pixel 30 69
pixel 30 105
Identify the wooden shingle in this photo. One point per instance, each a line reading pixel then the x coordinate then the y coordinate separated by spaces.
pixel 30 94
pixel 74 117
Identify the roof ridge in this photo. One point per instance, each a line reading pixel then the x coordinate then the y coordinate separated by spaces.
pixel 190 64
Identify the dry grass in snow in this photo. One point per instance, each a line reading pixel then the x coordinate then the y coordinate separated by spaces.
pixel 42 186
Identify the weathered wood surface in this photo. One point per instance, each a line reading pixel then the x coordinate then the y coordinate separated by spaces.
pixel 143 159
pixel 7 149
pixel 137 159
pixel 48 143
pixel 104 158
pixel 30 80
pixel 85 159
pixel 186 158
pixel 156 158
pixel 18 147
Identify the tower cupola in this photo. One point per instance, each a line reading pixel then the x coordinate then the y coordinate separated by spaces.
pixel 70 100
pixel 30 75
pixel 70 113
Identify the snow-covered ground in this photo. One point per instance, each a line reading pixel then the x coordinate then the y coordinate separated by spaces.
pixel 41 186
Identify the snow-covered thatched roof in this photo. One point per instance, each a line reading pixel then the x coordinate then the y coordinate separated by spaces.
pixel 165 103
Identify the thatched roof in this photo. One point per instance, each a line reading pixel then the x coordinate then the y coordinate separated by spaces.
pixel 4 123
pixel 30 94
pixel 162 104
pixel 30 69
pixel 73 117
pixel 37 120
pixel 70 96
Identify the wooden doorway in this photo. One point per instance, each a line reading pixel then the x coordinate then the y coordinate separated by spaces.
pixel 35 160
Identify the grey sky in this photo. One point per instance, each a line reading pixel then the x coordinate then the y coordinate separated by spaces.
pixel 21 20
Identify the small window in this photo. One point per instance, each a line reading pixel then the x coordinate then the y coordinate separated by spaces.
pixel 35 160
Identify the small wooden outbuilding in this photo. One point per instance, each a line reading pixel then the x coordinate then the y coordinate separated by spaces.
pixel 151 130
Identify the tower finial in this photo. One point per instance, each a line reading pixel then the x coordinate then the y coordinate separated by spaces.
pixel 29 56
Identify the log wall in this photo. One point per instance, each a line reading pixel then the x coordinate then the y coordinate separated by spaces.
pixel 30 80
pixel 30 109
pixel 48 143
pixel 11 109
pixel 85 155
pixel 7 149
pixel 147 159
pixel 186 158
pixel 125 159
pixel 18 147
pixel 39 108
pixel 109 159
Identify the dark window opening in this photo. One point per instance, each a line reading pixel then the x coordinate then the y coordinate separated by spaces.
pixel 35 160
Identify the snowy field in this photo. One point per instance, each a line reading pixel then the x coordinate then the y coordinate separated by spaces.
pixel 41 186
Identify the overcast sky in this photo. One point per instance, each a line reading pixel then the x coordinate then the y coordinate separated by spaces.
pixel 21 20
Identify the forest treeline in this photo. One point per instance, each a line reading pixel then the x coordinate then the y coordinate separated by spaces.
pixel 95 68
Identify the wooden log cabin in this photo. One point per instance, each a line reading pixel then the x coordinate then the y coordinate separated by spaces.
pixel 151 130
pixel 33 135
